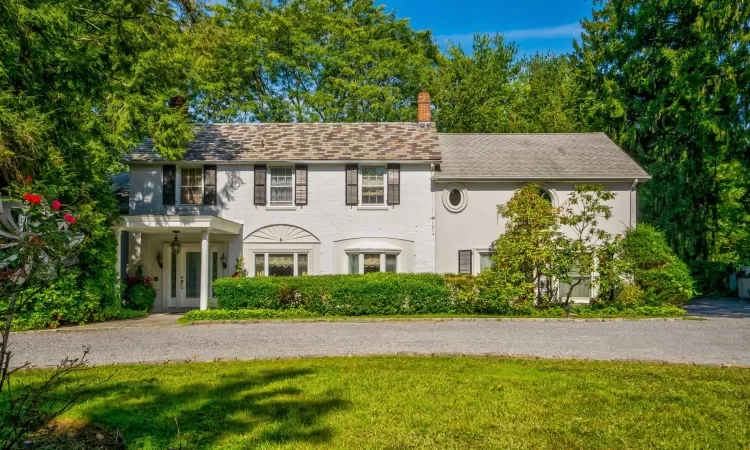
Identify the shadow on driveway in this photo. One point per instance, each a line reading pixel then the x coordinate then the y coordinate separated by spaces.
pixel 730 308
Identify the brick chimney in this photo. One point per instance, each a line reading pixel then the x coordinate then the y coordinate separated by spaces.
pixel 423 108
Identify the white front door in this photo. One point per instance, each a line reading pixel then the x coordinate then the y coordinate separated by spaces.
pixel 182 274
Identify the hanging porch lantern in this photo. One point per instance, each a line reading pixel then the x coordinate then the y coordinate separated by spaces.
pixel 175 245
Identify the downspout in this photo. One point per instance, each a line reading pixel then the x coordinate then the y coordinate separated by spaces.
pixel 433 193
pixel 633 203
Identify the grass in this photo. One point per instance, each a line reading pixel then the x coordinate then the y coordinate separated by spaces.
pixel 403 402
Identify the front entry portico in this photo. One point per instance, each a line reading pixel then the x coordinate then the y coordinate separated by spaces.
pixel 184 275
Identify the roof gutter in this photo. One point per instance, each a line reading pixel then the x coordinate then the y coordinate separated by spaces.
pixel 442 179
pixel 281 161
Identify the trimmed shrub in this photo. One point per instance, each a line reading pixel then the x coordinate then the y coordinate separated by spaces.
pixel 630 296
pixel 244 314
pixel 655 268
pixel 344 295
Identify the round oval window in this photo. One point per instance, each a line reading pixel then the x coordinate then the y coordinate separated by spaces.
pixel 455 198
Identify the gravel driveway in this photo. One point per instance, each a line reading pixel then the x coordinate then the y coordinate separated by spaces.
pixel 715 341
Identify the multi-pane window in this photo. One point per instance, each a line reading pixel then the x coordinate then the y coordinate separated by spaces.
pixel 281 264
pixel 191 186
pixel 581 287
pixel 373 185
pixel 360 263
pixel 281 186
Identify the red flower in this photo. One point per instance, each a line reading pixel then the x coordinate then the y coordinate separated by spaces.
pixel 70 219
pixel 28 179
pixel 56 204
pixel 32 198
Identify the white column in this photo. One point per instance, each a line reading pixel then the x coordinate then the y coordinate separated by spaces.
pixel 204 269
pixel 118 266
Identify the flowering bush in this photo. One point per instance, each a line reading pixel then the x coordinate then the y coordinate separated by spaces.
pixel 139 293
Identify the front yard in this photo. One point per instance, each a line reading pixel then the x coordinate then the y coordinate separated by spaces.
pixel 404 402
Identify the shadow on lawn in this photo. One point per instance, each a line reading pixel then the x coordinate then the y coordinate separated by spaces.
pixel 144 410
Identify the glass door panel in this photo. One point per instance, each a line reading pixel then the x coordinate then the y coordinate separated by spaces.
pixel 193 274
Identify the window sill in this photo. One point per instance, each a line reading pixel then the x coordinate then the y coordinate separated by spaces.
pixel 374 207
pixel 281 208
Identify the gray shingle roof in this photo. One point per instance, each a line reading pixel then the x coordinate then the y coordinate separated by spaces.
pixel 568 156
pixel 305 142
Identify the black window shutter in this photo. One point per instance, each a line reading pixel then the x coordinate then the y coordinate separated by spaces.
pixel 209 185
pixel 168 180
pixel 260 184
pixel 352 185
pixel 394 184
pixel 464 261
pixel 300 184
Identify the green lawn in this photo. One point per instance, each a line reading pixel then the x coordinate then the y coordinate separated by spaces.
pixel 404 402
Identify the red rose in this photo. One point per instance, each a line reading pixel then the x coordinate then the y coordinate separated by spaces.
pixel 28 179
pixel 32 198
pixel 56 204
pixel 70 219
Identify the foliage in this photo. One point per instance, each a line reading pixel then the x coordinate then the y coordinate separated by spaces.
pixel 524 252
pixel 244 314
pixel 139 293
pixel 601 310
pixel 312 61
pixel 39 238
pixel 631 295
pixel 669 81
pixel 340 295
pixel 239 267
pixel 582 243
pixel 327 402
pixel 489 90
pixel 655 268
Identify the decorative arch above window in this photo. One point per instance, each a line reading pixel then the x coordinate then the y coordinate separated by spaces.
pixel 281 233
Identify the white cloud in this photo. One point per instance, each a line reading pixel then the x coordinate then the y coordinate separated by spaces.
pixel 571 30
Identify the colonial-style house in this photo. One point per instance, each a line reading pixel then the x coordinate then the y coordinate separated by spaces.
pixel 299 199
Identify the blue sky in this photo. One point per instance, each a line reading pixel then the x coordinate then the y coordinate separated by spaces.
pixel 535 25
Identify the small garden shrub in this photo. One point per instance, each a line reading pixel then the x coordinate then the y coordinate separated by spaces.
pixel 344 295
pixel 655 268
pixel 140 293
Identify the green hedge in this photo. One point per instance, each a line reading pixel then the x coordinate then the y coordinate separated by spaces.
pixel 340 295
pixel 244 314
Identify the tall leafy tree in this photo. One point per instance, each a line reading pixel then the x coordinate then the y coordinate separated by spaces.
pixel 670 81
pixel 81 83
pixel 479 91
pixel 311 61
pixel 491 90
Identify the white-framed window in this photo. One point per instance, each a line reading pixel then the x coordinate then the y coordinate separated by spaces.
pixel 281 186
pixel 485 260
pixel 361 263
pixel 373 182
pixel 581 287
pixel 191 186
pixel 281 264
